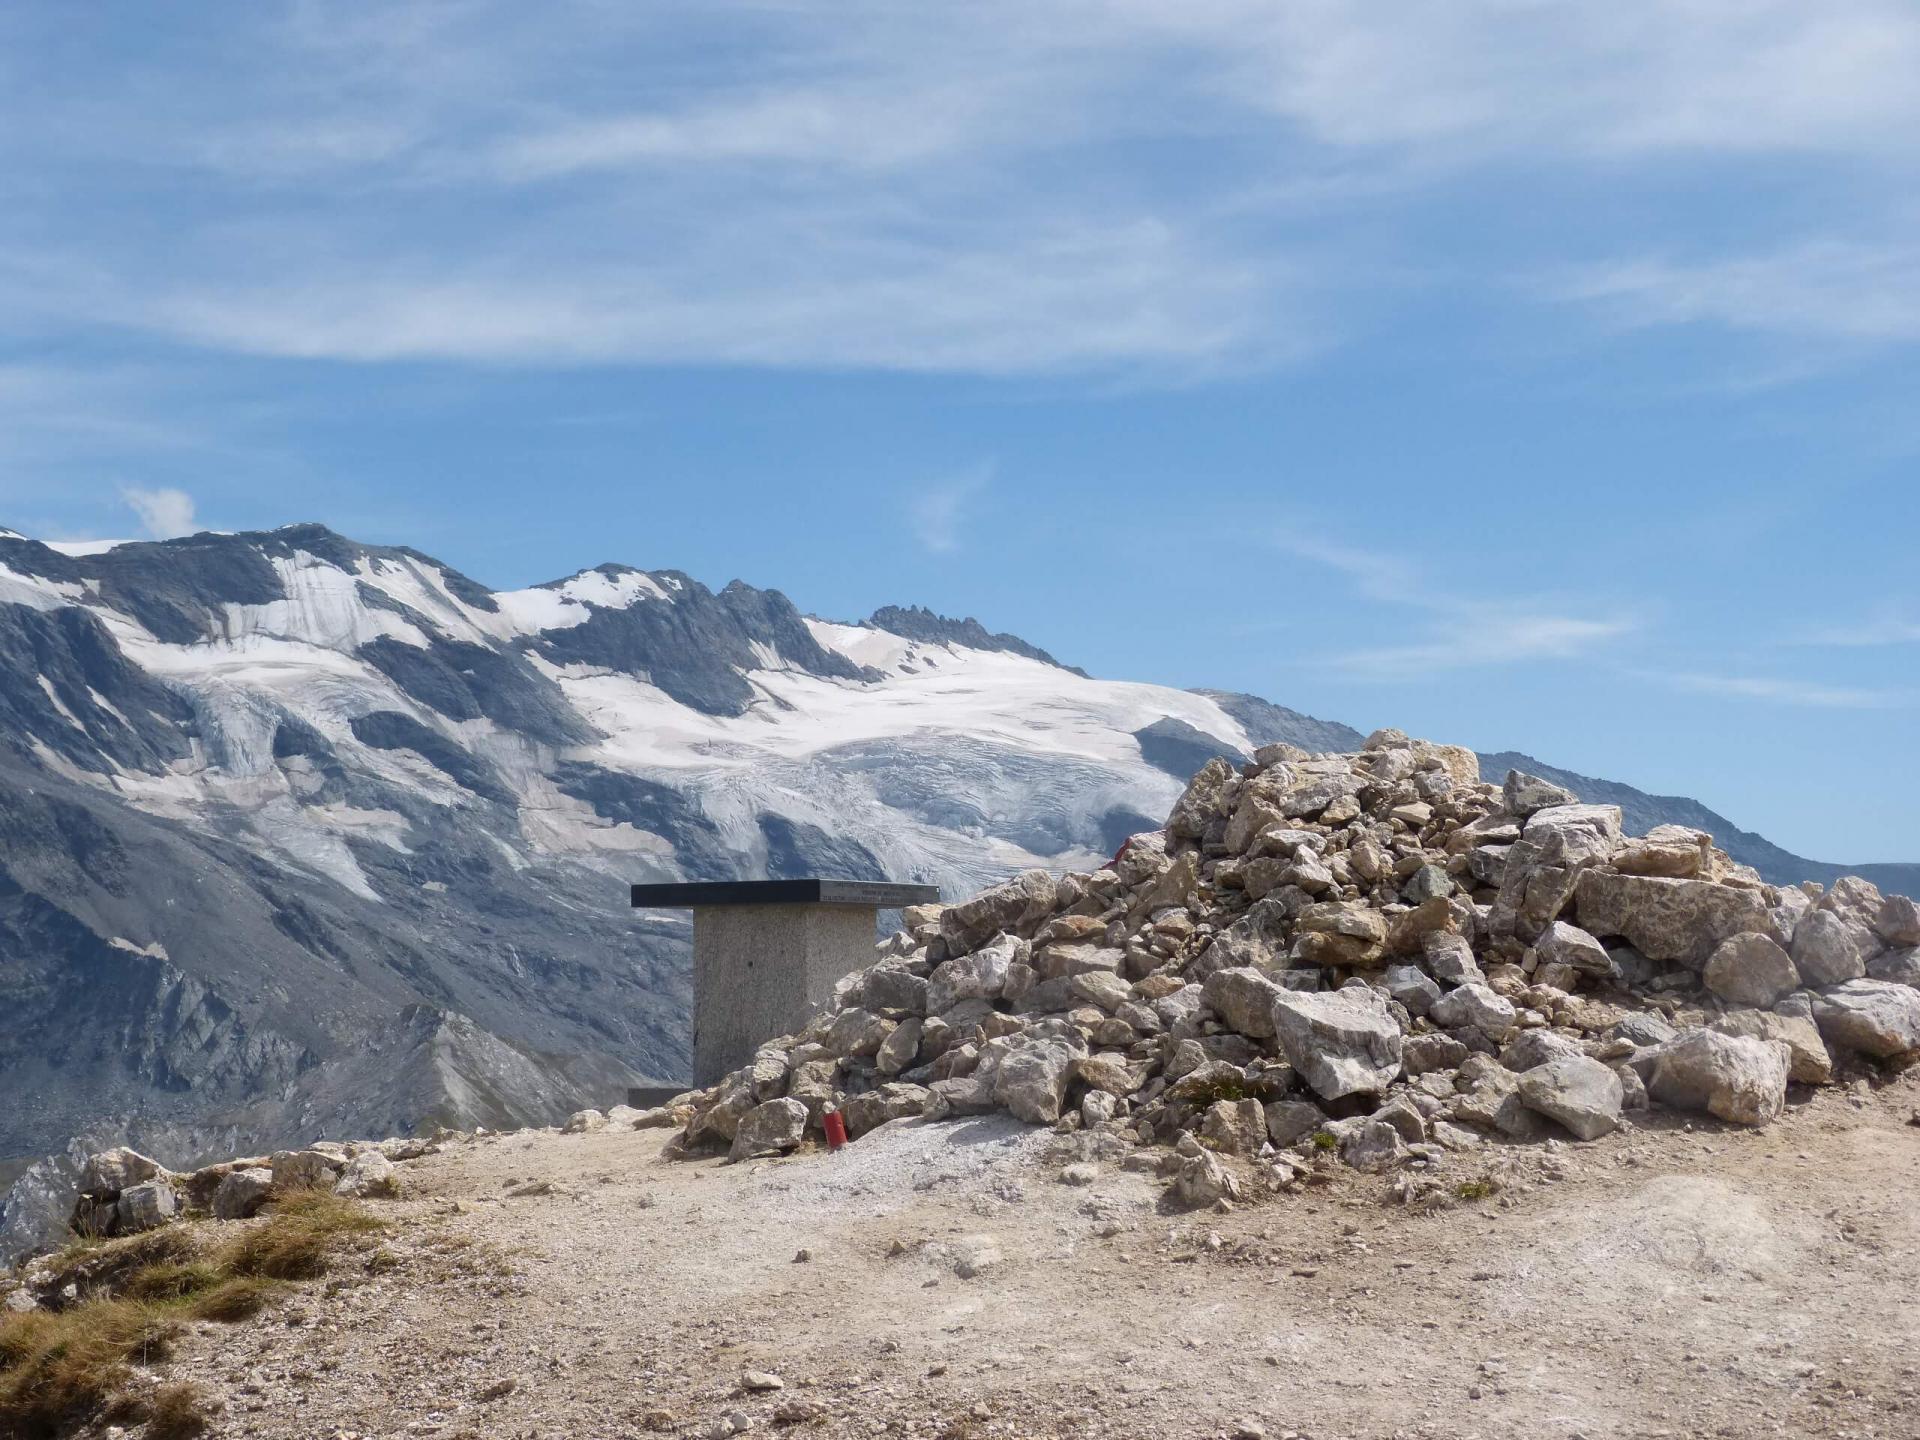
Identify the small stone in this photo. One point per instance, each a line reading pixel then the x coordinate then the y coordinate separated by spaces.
pixel 146 1206
pixel 369 1175
pixel 1079 1173
pixel 761 1380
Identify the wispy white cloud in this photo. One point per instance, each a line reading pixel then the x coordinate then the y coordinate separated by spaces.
pixel 1783 691
pixel 998 188
pixel 1827 289
pixel 1451 632
pixel 938 511
pixel 164 514
pixel 1487 635
pixel 1872 633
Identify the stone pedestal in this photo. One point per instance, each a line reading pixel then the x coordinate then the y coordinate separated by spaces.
pixel 766 955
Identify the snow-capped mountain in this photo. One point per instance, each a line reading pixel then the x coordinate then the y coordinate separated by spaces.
pixel 303 836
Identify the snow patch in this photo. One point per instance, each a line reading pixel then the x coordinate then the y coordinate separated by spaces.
pixel 72 719
pixel 155 951
pixel 36 593
pixel 81 548
pixel 572 602
pixel 322 607
pixel 876 649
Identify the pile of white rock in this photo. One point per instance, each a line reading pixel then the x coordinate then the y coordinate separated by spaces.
pixel 1373 955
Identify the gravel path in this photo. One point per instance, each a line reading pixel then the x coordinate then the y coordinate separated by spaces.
pixel 1667 1282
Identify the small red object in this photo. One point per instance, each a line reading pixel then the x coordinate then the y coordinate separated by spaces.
pixel 836 1124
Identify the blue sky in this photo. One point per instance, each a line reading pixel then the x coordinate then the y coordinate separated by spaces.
pixel 1521 374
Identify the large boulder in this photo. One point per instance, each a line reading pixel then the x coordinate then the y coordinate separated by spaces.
pixel 1829 948
pixel 1031 1082
pixel 1581 1094
pixel 1809 1062
pixel 1013 906
pixel 146 1206
pixel 112 1171
pixel 1739 1080
pixel 1342 1042
pixel 1243 999
pixel 1879 1018
pixel 1526 794
pixel 770 1129
pixel 1750 969
pixel 978 975
pixel 1667 919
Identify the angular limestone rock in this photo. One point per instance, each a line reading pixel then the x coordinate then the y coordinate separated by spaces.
pixel 1342 1042
pixel 1664 919
pixel 369 1176
pixel 1875 1017
pixel 1831 949
pixel 1739 1080
pixel 1750 969
pixel 241 1193
pixel 770 1129
pixel 1581 1094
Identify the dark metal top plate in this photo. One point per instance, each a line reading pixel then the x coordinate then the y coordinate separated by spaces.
pixel 881 894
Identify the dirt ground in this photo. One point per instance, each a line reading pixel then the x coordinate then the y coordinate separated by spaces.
pixel 1673 1281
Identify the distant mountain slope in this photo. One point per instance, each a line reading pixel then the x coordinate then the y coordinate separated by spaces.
pixel 1644 811
pixel 1270 724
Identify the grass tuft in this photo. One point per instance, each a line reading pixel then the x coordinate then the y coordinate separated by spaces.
pixel 302 1230
pixel 239 1298
pixel 171 1281
pixel 177 1412
pixel 63 1369
pixel 56 1369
